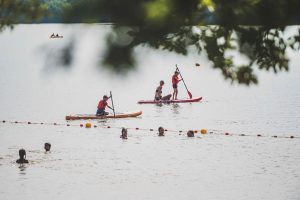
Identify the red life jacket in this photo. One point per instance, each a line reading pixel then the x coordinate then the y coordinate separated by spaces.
pixel 175 79
pixel 102 104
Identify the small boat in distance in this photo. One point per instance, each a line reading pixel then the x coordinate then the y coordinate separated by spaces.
pixel 170 101
pixel 93 116
pixel 55 36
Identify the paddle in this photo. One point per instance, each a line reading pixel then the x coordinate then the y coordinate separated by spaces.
pixel 189 93
pixel 112 102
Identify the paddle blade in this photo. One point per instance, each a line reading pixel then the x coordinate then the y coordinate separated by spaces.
pixel 190 94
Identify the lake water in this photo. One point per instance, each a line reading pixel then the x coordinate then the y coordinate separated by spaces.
pixel 96 163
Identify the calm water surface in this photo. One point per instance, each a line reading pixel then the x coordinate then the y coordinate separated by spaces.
pixel 96 163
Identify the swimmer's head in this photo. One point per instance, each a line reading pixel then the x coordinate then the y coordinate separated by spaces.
pixel 47 146
pixel 161 131
pixel 124 133
pixel 22 153
pixel 190 133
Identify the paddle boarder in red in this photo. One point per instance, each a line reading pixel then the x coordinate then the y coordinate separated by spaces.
pixel 175 81
pixel 102 105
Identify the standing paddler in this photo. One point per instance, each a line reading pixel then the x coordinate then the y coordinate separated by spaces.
pixel 175 81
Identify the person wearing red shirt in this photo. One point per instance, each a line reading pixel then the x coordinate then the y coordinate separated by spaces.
pixel 102 105
pixel 175 81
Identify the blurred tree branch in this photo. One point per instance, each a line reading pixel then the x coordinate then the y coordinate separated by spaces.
pixel 254 28
pixel 16 11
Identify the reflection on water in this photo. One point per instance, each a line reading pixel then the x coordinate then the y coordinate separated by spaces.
pixel 159 104
pixel 176 108
pixel 102 121
pixel 22 168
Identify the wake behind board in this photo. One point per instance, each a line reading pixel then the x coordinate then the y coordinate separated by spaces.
pixel 170 101
pixel 92 116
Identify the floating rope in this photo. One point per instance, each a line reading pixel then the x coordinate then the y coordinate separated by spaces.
pixel 201 131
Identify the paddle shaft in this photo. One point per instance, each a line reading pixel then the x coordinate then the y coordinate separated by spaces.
pixel 190 94
pixel 112 103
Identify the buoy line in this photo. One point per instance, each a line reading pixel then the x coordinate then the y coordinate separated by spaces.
pixel 202 131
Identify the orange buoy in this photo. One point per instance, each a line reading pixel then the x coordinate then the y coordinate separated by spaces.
pixel 88 125
pixel 203 131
